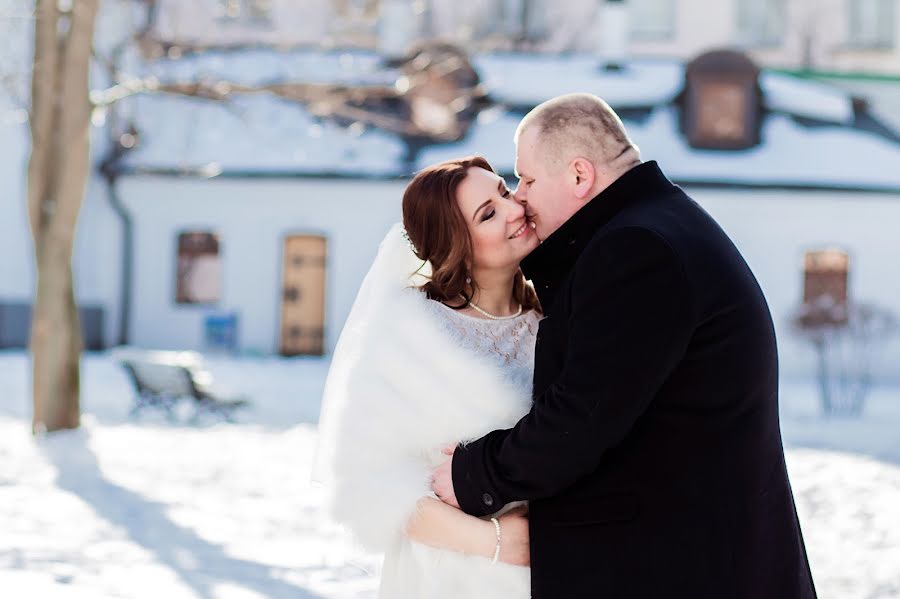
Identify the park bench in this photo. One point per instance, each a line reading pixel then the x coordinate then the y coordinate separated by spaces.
pixel 163 379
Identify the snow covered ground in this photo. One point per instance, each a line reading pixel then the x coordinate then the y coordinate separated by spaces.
pixel 145 508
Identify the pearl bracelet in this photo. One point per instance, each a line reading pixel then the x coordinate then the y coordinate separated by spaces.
pixel 497 548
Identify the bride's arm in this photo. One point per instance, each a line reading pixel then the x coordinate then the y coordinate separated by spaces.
pixel 439 525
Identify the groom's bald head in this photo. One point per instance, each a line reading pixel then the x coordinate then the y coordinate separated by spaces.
pixel 579 125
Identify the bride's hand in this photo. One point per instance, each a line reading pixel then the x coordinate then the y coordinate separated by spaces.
pixel 515 545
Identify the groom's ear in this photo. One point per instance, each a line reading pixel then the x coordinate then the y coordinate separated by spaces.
pixel 583 176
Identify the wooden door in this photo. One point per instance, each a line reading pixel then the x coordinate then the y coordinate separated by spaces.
pixel 303 296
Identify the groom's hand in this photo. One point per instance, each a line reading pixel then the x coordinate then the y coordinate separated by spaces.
pixel 442 479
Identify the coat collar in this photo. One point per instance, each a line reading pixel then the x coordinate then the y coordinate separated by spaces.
pixel 551 261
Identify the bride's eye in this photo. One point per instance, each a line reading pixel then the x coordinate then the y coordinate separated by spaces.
pixel 488 215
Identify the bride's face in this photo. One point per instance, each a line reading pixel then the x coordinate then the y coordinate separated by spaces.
pixel 501 235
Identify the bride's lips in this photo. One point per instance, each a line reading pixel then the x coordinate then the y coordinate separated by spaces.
pixel 526 227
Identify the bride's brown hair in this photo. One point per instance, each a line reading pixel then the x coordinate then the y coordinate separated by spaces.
pixel 438 231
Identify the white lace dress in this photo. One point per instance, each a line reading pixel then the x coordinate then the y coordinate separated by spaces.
pixel 509 341
pixel 415 571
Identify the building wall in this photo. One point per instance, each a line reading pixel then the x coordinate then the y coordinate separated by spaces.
pixel 252 217
pixel 816 35
pixel 815 32
pixel 16 261
pixel 207 22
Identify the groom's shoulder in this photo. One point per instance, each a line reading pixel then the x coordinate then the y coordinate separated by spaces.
pixel 672 216
pixel 628 241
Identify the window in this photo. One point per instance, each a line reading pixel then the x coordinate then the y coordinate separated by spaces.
pixel 761 22
pixel 652 20
pixel 358 8
pixel 199 268
pixel 253 12
pixel 873 23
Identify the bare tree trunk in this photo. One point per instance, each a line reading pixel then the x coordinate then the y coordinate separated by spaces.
pixel 57 175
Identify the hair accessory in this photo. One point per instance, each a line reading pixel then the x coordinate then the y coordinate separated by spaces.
pixel 406 237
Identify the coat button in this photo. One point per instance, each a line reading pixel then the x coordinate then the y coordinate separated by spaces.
pixel 487 499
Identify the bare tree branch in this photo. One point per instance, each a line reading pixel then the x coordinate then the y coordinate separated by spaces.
pixel 326 100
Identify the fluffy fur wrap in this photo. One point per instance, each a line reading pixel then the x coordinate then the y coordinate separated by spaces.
pixel 408 386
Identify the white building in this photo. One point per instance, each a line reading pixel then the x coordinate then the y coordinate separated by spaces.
pixel 243 22
pixel 826 35
pixel 829 35
pixel 232 206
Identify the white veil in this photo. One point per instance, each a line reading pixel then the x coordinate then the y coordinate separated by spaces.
pixel 396 267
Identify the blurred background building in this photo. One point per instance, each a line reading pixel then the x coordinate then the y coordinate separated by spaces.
pixel 243 183
pixel 829 35
pixel 852 42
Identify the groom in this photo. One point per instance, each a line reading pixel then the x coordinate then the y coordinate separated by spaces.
pixel 652 456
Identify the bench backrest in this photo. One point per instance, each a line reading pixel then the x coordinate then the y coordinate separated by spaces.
pixel 160 379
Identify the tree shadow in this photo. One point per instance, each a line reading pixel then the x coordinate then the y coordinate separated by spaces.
pixel 199 563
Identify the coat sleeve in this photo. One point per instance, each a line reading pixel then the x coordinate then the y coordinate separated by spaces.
pixel 630 324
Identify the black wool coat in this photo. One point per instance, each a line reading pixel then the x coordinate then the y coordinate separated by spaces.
pixel 652 456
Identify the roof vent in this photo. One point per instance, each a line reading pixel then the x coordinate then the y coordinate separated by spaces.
pixel 722 101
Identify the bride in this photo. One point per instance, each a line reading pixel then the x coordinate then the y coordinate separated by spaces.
pixel 438 349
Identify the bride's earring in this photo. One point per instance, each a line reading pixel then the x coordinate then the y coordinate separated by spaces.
pixel 468 280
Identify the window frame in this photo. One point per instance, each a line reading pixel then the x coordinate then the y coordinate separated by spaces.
pixel 671 10
pixel 250 13
pixel 744 31
pixel 855 12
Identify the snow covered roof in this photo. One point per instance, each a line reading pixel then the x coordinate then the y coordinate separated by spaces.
pixel 809 130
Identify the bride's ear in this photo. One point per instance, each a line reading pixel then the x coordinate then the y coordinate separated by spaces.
pixel 583 177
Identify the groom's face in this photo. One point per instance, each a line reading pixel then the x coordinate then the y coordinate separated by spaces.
pixel 543 191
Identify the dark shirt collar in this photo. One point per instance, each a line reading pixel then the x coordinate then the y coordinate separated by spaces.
pixel 551 261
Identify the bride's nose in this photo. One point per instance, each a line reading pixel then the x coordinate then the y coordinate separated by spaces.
pixel 514 210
